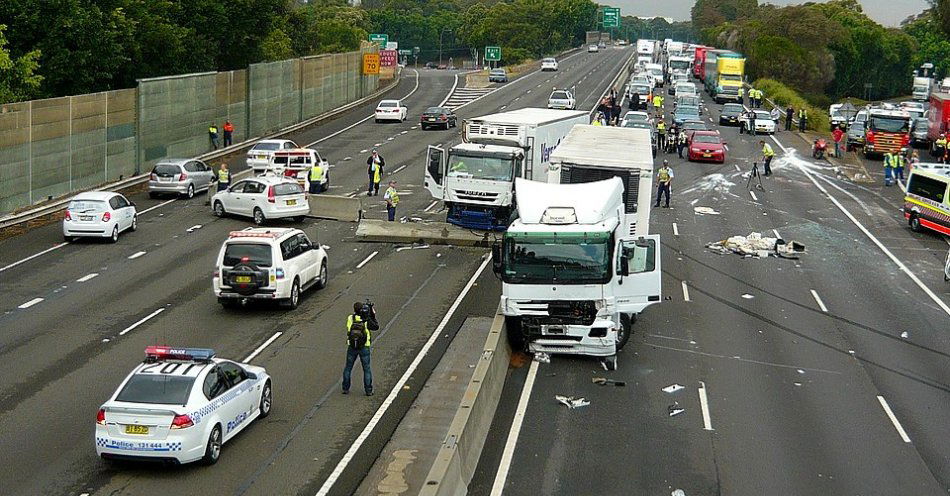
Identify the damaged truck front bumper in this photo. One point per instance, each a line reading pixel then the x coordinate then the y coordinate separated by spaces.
pixel 597 339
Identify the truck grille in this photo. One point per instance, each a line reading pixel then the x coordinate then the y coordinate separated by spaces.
pixel 566 312
pixel 476 196
pixel 888 142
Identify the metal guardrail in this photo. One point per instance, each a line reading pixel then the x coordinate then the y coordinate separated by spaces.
pixel 60 204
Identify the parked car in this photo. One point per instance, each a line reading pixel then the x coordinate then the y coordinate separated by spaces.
pixel 762 121
pixel 498 76
pixel 706 146
pixel 548 64
pixel 391 110
pixel 855 135
pixel 438 117
pixel 98 214
pixel 263 198
pixel 919 128
pixel 258 157
pixel 638 124
pixel 635 116
pixel 685 113
pixel 180 177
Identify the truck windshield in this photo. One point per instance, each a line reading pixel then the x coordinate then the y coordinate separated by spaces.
pixel 889 124
pixel 562 258
pixel 679 64
pixel 474 167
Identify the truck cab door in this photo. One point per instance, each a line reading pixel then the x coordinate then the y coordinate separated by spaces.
pixel 435 172
pixel 637 283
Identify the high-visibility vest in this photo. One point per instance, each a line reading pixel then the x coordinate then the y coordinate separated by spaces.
pixel 392 196
pixel 224 177
pixel 596 123
pixel 888 160
pixel 802 114
pixel 742 92
pixel 941 142
pixel 767 150
pixel 213 129
pixel 898 161
pixel 349 324
pixel 316 173
pixel 663 175
pixel 657 101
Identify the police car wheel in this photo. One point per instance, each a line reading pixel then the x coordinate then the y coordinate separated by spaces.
pixel 135 223
pixel 291 303
pixel 219 209
pixel 213 448
pixel 323 276
pixel 115 235
pixel 259 217
pixel 266 401
pixel 191 191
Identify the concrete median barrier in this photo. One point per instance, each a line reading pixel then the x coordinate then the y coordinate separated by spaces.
pixel 339 208
pixel 433 233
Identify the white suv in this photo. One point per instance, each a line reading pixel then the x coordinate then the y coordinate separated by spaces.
pixel 268 264
pixel 258 157
pixel 562 99
pixel 263 198
pixel 549 64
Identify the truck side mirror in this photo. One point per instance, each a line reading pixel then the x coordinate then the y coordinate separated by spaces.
pixel 496 264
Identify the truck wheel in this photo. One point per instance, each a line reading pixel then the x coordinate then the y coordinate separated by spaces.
pixel 914 223
pixel 516 337
pixel 626 329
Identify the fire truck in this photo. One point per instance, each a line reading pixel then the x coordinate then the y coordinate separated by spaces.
pixel 888 130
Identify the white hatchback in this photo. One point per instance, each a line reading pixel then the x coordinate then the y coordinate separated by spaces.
pixel 98 214
pixel 259 156
pixel 391 110
pixel 549 64
pixel 180 405
pixel 263 198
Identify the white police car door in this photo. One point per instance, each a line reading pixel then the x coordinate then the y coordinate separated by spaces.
pixel 636 281
pixel 241 399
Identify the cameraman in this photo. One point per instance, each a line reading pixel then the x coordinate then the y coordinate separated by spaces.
pixel 358 339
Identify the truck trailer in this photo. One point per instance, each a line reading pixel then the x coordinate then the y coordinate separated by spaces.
pixel 476 178
pixel 699 63
pixel 578 264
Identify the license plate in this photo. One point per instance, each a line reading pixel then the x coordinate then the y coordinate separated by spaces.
pixel 261 157
pixel 165 179
pixel 242 279
pixel 291 202
pixel 431 119
pixel 136 429
pixel 707 155
pixel 85 217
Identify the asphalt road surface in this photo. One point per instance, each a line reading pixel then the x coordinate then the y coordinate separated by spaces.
pixel 823 375
pixel 96 307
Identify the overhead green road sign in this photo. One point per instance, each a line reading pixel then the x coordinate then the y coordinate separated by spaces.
pixel 493 53
pixel 611 17
pixel 405 51
pixel 379 38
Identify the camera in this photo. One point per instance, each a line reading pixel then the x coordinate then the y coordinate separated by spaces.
pixel 367 311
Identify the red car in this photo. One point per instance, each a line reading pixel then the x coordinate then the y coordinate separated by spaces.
pixel 706 146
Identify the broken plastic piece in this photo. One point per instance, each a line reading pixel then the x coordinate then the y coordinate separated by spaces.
pixel 904 335
pixel 705 211
pixel 603 381
pixel 675 409
pixel 747 296
pixel 756 245
pixel 672 388
pixel 542 357
pixel 571 402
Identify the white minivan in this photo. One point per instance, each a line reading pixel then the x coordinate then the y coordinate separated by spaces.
pixel 98 214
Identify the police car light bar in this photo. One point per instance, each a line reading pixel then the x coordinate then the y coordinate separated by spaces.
pixel 252 234
pixel 156 353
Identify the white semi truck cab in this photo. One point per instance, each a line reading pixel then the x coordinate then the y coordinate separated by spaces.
pixel 476 178
pixel 578 264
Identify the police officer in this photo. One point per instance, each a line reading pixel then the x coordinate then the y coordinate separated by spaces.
pixel 316 178
pixel 664 179
pixel 359 337
pixel 374 168
pixel 767 154
pixel 213 135
pixel 224 177
pixel 742 95
pixel 661 134
pixel 392 199
pixel 802 119
pixel 888 171
pixel 898 164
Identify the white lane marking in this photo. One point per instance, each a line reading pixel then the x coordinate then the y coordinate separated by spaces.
pixel 357 123
pixel 434 202
pixel 890 414
pixel 363 151
pixel 726 147
pixel 260 348
pixel 153 207
pixel 676 230
pixel 503 107
pixel 87 277
pixel 936 299
pixel 367 259
pixel 193 228
pixel 140 322
pixel 401 167
pixel 737 167
pixel 455 84
pixel 817 298
pixel 30 303
pixel 777 235
pixel 351 195
pixel 685 292
pixel 31 257
pixel 136 255
pixel 704 404
pixel 351 452
pixel 753 195
pixel 505 465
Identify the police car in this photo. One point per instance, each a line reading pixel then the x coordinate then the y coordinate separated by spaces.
pixel 562 99
pixel 180 405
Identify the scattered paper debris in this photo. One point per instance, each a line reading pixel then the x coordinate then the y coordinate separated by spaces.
pixel 678 492
pixel 797 384
pixel 800 371
pixel 603 381
pixel 193 228
pixel 672 388
pixel 756 245
pixel 705 211
pixel 542 357
pixel 905 335
pixel 675 409
pixel 747 296
pixel 572 402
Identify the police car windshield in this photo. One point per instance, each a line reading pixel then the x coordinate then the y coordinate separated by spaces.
pixel 257 253
pixel 164 389
pixel 267 146
pixel 473 167
pixel 559 95
pixel 83 206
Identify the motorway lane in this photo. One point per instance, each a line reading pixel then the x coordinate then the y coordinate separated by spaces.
pixel 57 347
pixel 783 388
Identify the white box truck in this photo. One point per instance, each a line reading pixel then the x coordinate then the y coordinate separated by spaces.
pixel 646 48
pixel 922 88
pixel 476 178
pixel 579 264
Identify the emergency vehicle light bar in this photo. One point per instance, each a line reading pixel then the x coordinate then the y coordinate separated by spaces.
pixel 252 234
pixel 156 353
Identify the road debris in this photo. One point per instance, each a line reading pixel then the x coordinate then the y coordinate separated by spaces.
pixel 905 335
pixel 672 388
pixel 572 402
pixel 675 409
pixel 756 245
pixel 747 296
pixel 603 381
pixel 705 211
pixel 412 247
pixel 542 357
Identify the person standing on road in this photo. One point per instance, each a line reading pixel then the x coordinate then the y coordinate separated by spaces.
pixel 914 160
pixel 664 181
pixel 888 171
pixel 836 136
pixel 213 135
pixel 374 169
pixel 661 134
pixel 228 134
pixel 767 154
pixel 635 101
pixel 802 119
pixel 657 103
pixel 898 164
pixel 681 143
pixel 224 177
pixel 789 114
pixel 776 116
pixel 392 199
pixel 316 178
pixel 742 96
pixel 359 337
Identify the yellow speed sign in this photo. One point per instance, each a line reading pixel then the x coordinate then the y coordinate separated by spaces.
pixel 370 63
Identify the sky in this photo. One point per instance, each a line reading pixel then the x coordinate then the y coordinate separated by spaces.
pixel 886 12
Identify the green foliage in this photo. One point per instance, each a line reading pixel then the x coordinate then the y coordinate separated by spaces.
pixel 783 96
pixel 933 44
pixel 658 29
pixel 18 80
pixel 276 46
pixel 706 14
